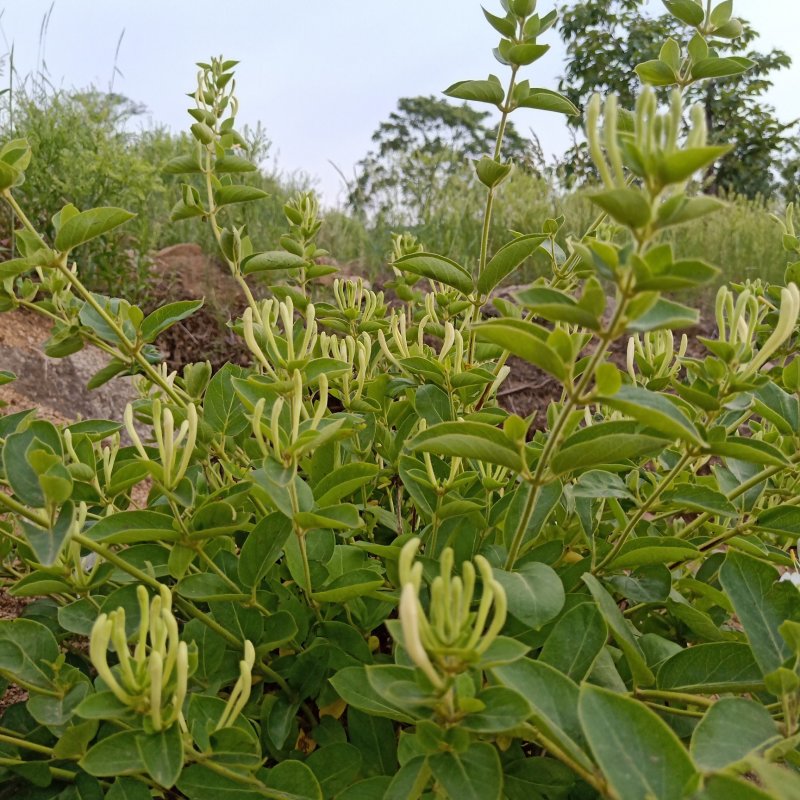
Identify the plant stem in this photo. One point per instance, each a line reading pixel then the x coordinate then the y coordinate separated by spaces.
pixel 554 440
pixel 17 508
pixel 663 485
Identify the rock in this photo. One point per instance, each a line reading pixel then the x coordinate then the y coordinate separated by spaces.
pixel 57 386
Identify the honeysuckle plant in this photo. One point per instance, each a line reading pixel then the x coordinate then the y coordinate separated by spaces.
pixel 356 575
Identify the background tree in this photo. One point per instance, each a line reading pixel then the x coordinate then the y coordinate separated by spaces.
pixel 605 39
pixel 419 152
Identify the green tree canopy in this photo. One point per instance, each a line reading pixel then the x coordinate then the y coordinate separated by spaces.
pixel 423 146
pixel 605 39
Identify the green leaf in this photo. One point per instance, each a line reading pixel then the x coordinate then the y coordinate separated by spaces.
pixel 166 316
pixel 375 739
pixel 690 497
pixel 687 11
pixel 507 259
pixel 711 668
pixel 18 471
pixel 627 206
pixel 637 751
pixel 437 268
pixel 222 409
pixel 534 593
pixel 409 781
pixel 524 54
pixel 784 519
pixel 503 25
pixel 680 165
pixel 665 314
pixel 721 67
pixel 762 604
pixel 753 451
pixel 656 73
pixel 548 100
pixel 272 260
pixel 607 443
pixel 475 774
pixel 353 686
pixel 682 274
pixel 201 783
pixel 368 789
pixel 343 481
pixel 162 755
pixel 47 544
pixel 504 710
pixel 621 631
pixel 728 787
pixel 26 648
pixel 296 780
pixel 732 729
pixel 525 340
pixel 6 376
pixel 556 306
pixel 115 755
pixel 336 766
pixel 488 91
pixel 182 165
pixel 205 586
pixel 128 789
pixel 226 195
pixel 127 527
pixel 476 440
pixel 230 163
pixel 655 410
pixel 89 225
pixel 653 550
pixel 554 700
pixel 352 584
pixel 263 547
pixel 576 641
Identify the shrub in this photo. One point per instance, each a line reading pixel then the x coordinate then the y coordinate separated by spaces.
pixel 356 576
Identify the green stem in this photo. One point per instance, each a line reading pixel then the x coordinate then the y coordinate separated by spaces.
pixel 741 489
pixel 636 517
pixel 571 261
pixel 675 697
pixel 56 772
pixel 596 781
pixel 554 440
pixel 23 511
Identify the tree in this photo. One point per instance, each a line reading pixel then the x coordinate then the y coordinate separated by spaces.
pixel 420 150
pixel 605 39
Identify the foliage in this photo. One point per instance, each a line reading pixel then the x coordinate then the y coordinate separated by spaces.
pixel 355 575
pixel 421 154
pixel 605 40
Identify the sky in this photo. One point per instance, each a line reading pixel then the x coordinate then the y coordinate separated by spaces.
pixel 319 74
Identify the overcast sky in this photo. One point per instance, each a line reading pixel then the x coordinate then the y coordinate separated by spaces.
pixel 319 74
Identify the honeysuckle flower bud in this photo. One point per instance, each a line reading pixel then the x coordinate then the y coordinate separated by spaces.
pixel 132 432
pixel 154 682
pixel 502 374
pixel 98 654
pixel 448 342
pixel 156 677
pixel 241 690
pixel 248 329
pixel 451 637
pixel 409 620
pixel 787 320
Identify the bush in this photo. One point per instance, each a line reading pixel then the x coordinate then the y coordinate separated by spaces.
pixel 355 575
